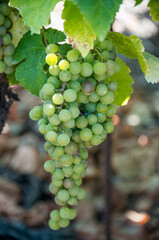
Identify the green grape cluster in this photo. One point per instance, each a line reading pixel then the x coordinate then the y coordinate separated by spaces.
pixel 75 115
pixel 6 46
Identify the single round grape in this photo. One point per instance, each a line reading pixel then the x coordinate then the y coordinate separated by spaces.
pixel 72 214
pixel 83 153
pixel 112 86
pixel 81 98
pixel 74 191
pixel 5 9
pixel 58 174
pixel 54 120
pixel 106 55
pixel 59 151
pixel 70 95
pixel 96 140
pixel 51 136
pixel 2 19
pixel 47 145
pixel 110 67
pixel 75 176
pixel 78 168
pixel 111 110
pixel 101 117
pixel 7 23
pixel 71 148
pixel 63 139
pixel 75 67
pixel 77 160
pixel 101 89
pixel 49 166
pixel 42 128
pixel 57 99
pixel 66 160
pixel 2 66
pixel 64 223
pixel 100 68
pixel 87 69
pixel 90 107
pixel 55 215
pixel 6 39
pixel 117 67
pixel 65 213
pixel 92 119
pixel 59 202
pixel 8 61
pixel 48 89
pixel 51 59
pixel 81 194
pixel 106 44
pixel 101 108
pixel 9 49
pixel 65 76
pixel 74 112
pixel 49 127
pixel 64 65
pixel 94 97
pixel 68 183
pixel 51 48
pixel 101 77
pixel 36 113
pixel 3 30
pixel 76 137
pixel 108 127
pixel 53 80
pixel 9 70
pixel 53 225
pixel 108 98
pixel 48 109
pixel 72 201
pixel 72 55
pixel 86 134
pixel 87 88
pixel 53 189
pixel 69 124
pixel 54 70
pixel 89 58
pixel 75 85
pixel 57 183
pixel 58 165
pixel 78 182
pixel 42 121
pixel 75 77
pixel 68 170
pixel 97 128
pixel 65 115
pixel 81 122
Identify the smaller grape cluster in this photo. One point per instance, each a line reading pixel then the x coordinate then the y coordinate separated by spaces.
pixel 6 47
pixel 76 114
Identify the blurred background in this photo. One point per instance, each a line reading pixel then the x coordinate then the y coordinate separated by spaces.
pixel 25 200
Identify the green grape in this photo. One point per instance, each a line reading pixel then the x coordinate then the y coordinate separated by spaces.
pixel 58 174
pixel 54 120
pixel 101 77
pixel 117 67
pixel 103 135
pixel 78 182
pixel 8 61
pixel 51 48
pixel 111 110
pixel 48 109
pixel 89 58
pixel 108 98
pixel 53 189
pixel 65 213
pixel 75 176
pixel 6 39
pixel 55 215
pixel 74 191
pixel 58 164
pixel 81 194
pixel 66 160
pixel 57 183
pixel 69 124
pixel 90 107
pixel 65 115
pixel 9 70
pixel 106 44
pixel 75 77
pixel 75 67
pixel 81 98
pixel 67 170
pixel 97 128
pixel 96 140
pixel 86 134
pixel 83 154
pixel 72 55
pixel 59 151
pixel 101 108
pixel 108 127
pixel 63 139
pixel 49 127
pixel 81 122
pixel 76 137
pixel 92 119
pixel 92 80
pixel 9 49
pixel 1 52
pixel 51 59
pixel 94 97
pixel 68 183
pixel 36 113
pixel 51 151
pixel 3 30
pixel 70 95
pixel 5 9
pixel 64 65
pixel 63 195
pixel 113 54
pixel 64 223
pixel 77 160
pixel 48 89
pixel 51 136
pixel 57 99
pixel 72 201
pixel 112 86
pixel 7 23
pixel 101 89
pixel 87 88
pixel 71 148
pixel 101 117
pixel 2 67
pixel 53 80
pixel 54 70
pixel 42 121
pixel 110 67
pixel 106 55
pixel 47 145
pixel 87 69
pixel 49 166
pixel 2 19
pixel 100 68
pixel 78 168
pixel 74 112
pixel 53 225
pixel 72 214
pixel 81 79
pixel 59 202
pixel 65 76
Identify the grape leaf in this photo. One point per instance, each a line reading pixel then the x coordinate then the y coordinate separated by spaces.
pixel 54 36
pixel 18 29
pixel 138 2
pixel 12 80
pixel 154 11
pixel 131 47
pixel 77 28
pixel 99 14
pixel 30 55
pixel 64 48
pixel 35 13
pixel 124 82
pixel 153 68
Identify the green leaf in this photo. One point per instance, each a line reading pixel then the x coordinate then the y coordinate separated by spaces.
pixel 36 13
pixel 131 47
pixel 64 48
pixel 18 29
pixel 77 28
pixel 30 54
pixel 100 14
pixel 12 80
pixel 154 11
pixel 54 36
pixel 138 2
pixel 153 68
pixel 124 82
